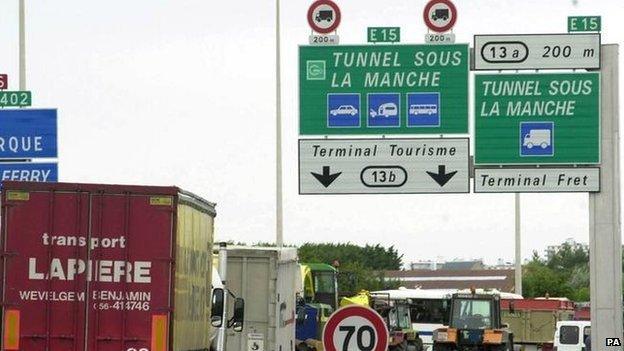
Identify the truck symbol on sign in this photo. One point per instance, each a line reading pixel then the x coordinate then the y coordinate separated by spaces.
pixel 327 15
pixel 536 137
pixel 385 110
pixel 440 14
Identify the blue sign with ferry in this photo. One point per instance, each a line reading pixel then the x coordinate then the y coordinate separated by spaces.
pixel 28 133
pixel 29 171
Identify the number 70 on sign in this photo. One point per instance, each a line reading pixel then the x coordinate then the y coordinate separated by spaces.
pixel 355 327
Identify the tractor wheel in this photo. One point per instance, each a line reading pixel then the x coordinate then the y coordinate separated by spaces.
pixel 399 347
pixel 414 346
pixel 442 347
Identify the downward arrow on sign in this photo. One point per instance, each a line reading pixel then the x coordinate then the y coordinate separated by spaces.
pixel 326 178
pixel 441 177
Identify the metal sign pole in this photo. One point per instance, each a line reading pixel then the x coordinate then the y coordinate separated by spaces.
pixel 279 235
pixel 22 47
pixel 605 243
pixel 518 269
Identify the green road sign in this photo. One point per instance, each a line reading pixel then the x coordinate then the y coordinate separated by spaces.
pixel 584 23
pixel 383 89
pixel 15 98
pixel 537 118
pixel 384 34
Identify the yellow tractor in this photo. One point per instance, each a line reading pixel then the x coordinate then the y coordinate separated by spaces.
pixel 474 325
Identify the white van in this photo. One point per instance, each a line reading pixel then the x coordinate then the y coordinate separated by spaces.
pixel 537 137
pixel 570 335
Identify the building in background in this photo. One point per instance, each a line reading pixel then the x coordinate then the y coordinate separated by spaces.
pixel 502 264
pixel 551 250
pixel 500 279
pixel 459 264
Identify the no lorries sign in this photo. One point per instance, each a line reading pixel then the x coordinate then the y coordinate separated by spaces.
pixel 324 16
pixel 383 166
pixel 537 118
pixel 355 327
pixel 440 15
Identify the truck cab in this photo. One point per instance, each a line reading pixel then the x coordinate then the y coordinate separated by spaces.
pixel 570 335
pixel 474 324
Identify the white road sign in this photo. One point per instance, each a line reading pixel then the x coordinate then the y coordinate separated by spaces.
pixel 537 51
pixel 536 180
pixel 324 16
pixel 440 15
pixel 383 166
pixel 355 327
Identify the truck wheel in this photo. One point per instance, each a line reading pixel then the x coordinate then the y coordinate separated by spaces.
pixel 400 347
pixel 441 347
pixel 529 145
pixel 544 145
pixel 412 346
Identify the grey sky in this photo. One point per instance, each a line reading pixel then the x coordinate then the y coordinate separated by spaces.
pixel 182 92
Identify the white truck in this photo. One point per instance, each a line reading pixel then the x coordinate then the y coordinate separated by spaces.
pixel 268 279
pixel 537 137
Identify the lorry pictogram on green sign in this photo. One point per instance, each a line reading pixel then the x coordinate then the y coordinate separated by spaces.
pixel 537 118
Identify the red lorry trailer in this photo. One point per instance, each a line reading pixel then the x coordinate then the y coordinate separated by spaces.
pixel 105 267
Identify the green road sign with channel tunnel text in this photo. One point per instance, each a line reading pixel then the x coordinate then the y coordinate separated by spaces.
pixel 537 118
pixel 383 89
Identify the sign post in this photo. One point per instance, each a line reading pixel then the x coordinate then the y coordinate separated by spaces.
pixel 324 18
pixel 584 23
pixel 605 243
pixel 383 34
pixel 537 51
pixel 440 15
pixel 15 98
pixel 355 327
pixel 383 166
pixel 537 118
pixel 27 133
pixel 383 89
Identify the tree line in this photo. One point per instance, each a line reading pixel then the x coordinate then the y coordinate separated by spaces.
pixel 564 273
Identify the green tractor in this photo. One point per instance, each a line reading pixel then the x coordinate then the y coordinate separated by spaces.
pixel 474 325
pixel 319 301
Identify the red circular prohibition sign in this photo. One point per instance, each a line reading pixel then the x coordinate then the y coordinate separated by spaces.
pixel 360 311
pixel 311 16
pixel 430 24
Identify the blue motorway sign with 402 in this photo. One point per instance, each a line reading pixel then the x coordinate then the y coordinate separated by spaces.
pixel 28 133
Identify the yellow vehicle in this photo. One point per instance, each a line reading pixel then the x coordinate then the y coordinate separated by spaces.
pixel 474 324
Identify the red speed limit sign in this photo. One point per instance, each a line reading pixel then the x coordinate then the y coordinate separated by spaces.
pixel 355 327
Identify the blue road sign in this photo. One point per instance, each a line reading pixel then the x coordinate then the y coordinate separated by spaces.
pixel 28 133
pixel 384 110
pixel 423 109
pixel 343 110
pixel 536 138
pixel 33 172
